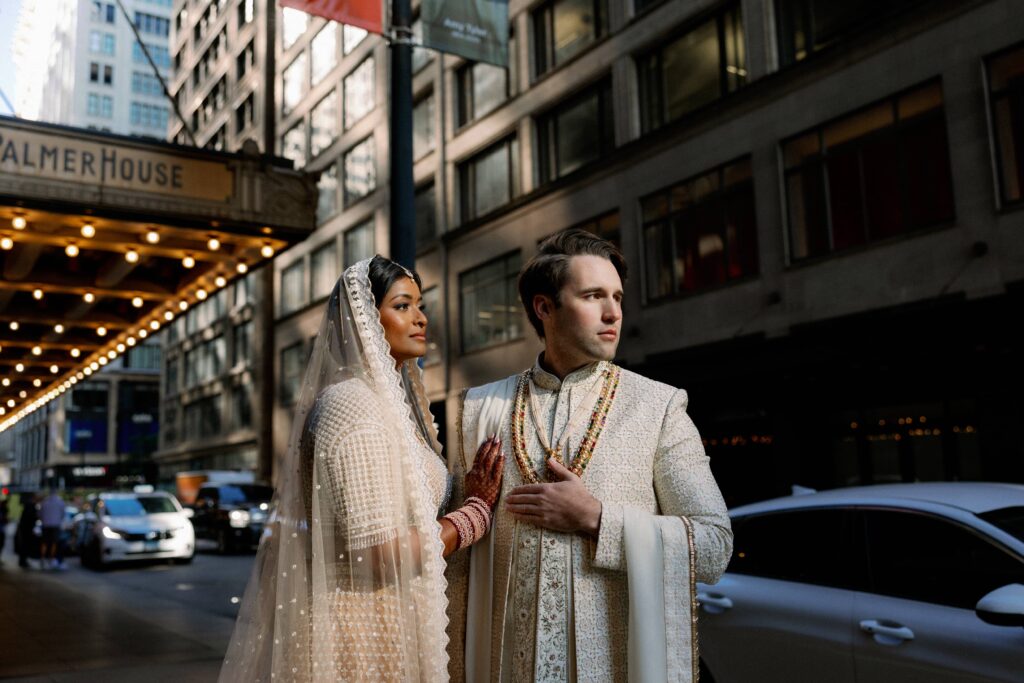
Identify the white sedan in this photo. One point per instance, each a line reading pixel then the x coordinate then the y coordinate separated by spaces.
pixel 135 526
pixel 896 583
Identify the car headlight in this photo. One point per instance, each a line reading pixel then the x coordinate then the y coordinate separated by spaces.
pixel 238 518
pixel 110 533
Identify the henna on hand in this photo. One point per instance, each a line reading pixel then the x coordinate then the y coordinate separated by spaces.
pixel 484 479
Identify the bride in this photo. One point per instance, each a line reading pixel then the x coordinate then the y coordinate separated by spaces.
pixel 348 582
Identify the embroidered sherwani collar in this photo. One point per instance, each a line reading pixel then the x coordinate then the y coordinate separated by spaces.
pixel 545 380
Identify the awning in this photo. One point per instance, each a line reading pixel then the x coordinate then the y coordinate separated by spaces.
pixel 105 238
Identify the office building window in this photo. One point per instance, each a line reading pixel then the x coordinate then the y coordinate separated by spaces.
pixel 202 417
pixel 421 56
pixel 807 26
pixel 359 92
pixel 426 214
pixel 490 179
pixel 576 132
pixel 701 232
pixel 327 190
pixel 423 126
pixel 1006 88
pixel 161 56
pixel 101 42
pixel 171 376
pixel 564 28
pixel 101 106
pixel 148 115
pixel 480 89
pixel 489 310
pixel 244 115
pixel 293 287
pixel 146 84
pixel 606 226
pixel 323 264
pixel 294 23
pixel 245 60
pixel 241 406
pixel 246 12
pixel 351 36
pixel 242 294
pixel 325 51
pixel 294 82
pixel 692 70
pixel 324 124
pixel 879 172
pixel 108 75
pixel 242 344
pixel 292 360
pixel 154 25
pixel 359 243
pixel 435 325
pixel 143 357
pixel 94 72
pixel 293 144
pixel 360 171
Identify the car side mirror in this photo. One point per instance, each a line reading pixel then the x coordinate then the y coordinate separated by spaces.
pixel 1003 606
pixel 188 512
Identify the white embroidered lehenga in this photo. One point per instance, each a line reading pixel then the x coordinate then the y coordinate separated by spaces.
pixel 348 583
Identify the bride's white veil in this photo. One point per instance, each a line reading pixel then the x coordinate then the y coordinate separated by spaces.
pixel 348 580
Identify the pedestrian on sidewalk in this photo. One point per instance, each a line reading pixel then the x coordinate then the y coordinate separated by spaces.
pixel 51 514
pixel 23 537
pixel 3 527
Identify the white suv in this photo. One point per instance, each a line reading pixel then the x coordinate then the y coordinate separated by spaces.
pixel 893 583
pixel 134 526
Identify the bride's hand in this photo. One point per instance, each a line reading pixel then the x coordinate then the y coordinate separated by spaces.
pixel 484 479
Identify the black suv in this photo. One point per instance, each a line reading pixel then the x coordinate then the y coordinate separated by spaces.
pixel 233 515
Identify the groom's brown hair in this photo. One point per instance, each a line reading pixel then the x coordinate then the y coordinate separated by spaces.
pixel 546 272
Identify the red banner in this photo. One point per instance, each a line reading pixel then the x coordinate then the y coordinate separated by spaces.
pixel 367 14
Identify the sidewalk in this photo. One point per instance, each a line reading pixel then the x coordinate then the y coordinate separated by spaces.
pixel 52 629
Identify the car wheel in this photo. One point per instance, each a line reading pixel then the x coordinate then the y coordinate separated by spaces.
pixel 95 553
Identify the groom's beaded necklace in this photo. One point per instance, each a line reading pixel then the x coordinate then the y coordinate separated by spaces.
pixel 586 450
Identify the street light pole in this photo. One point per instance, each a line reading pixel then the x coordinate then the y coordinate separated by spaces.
pixel 402 230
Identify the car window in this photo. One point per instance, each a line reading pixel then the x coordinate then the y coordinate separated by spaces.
pixel 245 493
pixel 123 507
pixel 1010 520
pixel 207 492
pixel 920 557
pixel 808 546
pixel 157 504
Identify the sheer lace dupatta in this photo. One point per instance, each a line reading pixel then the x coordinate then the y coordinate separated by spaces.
pixel 348 582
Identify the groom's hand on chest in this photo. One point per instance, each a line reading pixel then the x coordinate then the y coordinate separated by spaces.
pixel 562 505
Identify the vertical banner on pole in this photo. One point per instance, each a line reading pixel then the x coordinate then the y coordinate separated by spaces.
pixel 367 14
pixel 474 29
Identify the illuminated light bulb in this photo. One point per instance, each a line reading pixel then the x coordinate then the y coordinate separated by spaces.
pixel 74 380
pixel 19 222
pixel 143 334
pixel 101 331
pixel 88 231
pixel 37 294
pixel 23 393
pixel 3 411
pixel 130 341
pixel 19 367
pixel 201 294
pixel 71 250
pixel 94 366
pixel 111 354
pixel 168 316
pixel 62 389
pixel 6 243
pixel 10 403
pixel 14 325
pixel 154 325
pixel 103 360
pixel 87 371
pixel 213 244
pixel 6 382
pixel 220 281
pixel 79 375
pixel 188 262
pixel 183 305
pixel 152 236
pixel 58 328
pixel 36 383
pixel 120 348
pixel 54 369
pixel 89 297
pixel 242 268
pixel 75 353
pixel 131 256
pixel 266 251
pixel 37 350
pixel 137 302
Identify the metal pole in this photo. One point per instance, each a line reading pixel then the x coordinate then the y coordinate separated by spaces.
pixel 403 216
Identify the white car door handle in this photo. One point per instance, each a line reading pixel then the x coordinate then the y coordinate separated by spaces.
pixel 886 632
pixel 714 603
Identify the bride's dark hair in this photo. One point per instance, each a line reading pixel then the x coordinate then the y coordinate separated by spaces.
pixel 383 273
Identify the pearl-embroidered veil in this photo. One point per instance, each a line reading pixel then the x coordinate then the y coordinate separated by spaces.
pixel 348 581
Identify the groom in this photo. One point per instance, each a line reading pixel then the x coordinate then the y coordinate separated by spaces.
pixel 609 512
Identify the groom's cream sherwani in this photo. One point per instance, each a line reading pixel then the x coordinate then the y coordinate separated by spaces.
pixel 536 605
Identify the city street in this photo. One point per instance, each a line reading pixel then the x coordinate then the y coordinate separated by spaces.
pixel 152 622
